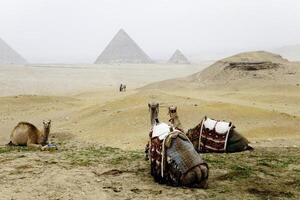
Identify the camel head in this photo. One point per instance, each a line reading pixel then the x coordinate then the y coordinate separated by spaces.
pixel 154 110
pixel 172 111
pixel 47 126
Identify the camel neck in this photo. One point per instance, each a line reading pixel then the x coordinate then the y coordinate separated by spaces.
pixel 44 135
pixel 153 116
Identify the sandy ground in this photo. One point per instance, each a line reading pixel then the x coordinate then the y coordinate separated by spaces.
pixel 85 106
pixel 89 171
pixel 74 79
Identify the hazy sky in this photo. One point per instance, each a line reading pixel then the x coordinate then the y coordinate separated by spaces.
pixel 73 31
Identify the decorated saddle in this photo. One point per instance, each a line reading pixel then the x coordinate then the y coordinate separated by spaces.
pixel 212 135
pixel 171 154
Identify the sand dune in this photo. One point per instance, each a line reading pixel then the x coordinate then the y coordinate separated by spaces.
pixel 259 109
pixel 91 118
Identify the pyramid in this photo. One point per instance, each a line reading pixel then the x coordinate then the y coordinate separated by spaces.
pixel 122 49
pixel 178 58
pixel 9 56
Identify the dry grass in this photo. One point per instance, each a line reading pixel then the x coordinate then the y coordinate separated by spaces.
pixel 266 173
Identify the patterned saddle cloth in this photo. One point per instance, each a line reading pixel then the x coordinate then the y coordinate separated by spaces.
pixel 213 135
pixel 174 147
pixel 181 152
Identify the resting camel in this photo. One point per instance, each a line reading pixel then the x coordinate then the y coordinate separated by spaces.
pixel 154 110
pixel 173 159
pixel 174 119
pixel 206 139
pixel 26 134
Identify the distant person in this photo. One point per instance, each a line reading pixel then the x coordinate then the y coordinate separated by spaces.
pixel 122 88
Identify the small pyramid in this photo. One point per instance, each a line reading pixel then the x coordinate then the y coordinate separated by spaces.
pixel 9 56
pixel 123 49
pixel 178 58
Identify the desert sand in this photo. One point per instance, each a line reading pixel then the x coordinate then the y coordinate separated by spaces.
pixel 101 132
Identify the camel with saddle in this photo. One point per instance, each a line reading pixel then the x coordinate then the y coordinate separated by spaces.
pixel 172 156
pixel 212 135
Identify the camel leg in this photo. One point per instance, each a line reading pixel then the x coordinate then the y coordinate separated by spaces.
pixel 205 171
pixel 34 146
pixel 196 177
pixel 10 144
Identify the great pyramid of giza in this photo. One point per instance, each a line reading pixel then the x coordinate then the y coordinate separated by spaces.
pixel 178 58
pixel 9 56
pixel 122 49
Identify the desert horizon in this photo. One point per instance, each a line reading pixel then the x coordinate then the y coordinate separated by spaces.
pixel 149 99
pixel 88 111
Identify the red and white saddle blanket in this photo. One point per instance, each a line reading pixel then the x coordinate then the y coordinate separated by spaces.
pixel 212 135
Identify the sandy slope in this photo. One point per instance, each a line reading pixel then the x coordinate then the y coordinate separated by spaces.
pixel 122 119
pixel 85 107
pixel 74 79
pixel 261 111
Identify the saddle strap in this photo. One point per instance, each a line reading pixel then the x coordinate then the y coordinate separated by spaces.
pixel 227 135
pixel 201 129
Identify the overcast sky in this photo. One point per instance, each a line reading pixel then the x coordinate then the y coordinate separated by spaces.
pixel 71 31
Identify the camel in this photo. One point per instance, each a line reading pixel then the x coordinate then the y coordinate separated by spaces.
pixel 228 141
pixel 173 159
pixel 174 119
pixel 26 134
pixel 235 141
pixel 154 110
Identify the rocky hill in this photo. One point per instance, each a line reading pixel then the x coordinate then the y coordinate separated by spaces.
pixel 241 70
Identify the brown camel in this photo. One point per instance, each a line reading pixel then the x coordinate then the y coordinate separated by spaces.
pixel 154 110
pixel 26 134
pixel 174 160
pixel 229 142
pixel 235 141
pixel 174 119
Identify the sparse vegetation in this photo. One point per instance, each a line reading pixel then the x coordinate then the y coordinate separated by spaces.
pixel 107 155
pixel 15 149
pixel 266 173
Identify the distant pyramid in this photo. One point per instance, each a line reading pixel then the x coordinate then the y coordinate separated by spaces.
pixel 122 49
pixel 9 56
pixel 178 58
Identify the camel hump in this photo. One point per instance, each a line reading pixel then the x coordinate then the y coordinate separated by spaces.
pixel 27 125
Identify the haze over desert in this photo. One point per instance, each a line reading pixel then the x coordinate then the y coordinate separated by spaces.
pixel 86 86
